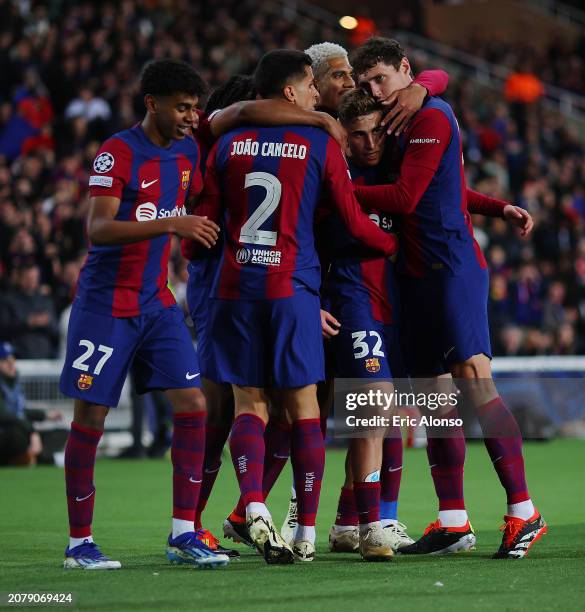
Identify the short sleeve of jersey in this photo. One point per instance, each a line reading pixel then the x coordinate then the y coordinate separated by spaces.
pixel 111 169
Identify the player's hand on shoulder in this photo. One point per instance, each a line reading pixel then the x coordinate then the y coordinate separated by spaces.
pixel 334 129
pixel 329 324
pixel 200 229
pixel 403 104
pixel 520 217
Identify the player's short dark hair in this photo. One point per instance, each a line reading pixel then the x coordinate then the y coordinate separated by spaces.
pixel 277 69
pixel 354 104
pixel 374 50
pixel 237 88
pixel 167 77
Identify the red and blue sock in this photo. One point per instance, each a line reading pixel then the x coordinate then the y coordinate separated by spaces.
pixel 80 454
pixel 446 455
pixel 503 441
pixel 308 461
pixel 215 439
pixel 391 475
pixel 247 450
pixel 367 501
pixel 187 450
pixel 277 438
pixel 347 515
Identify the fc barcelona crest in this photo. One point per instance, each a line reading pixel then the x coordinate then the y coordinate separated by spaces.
pixel 84 381
pixel 185 178
pixel 373 365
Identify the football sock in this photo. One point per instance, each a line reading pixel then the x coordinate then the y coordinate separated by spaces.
pixel 247 450
pixel 277 444
pixel 80 453
pixel 365 526
pixel 180 527
pixel 524 510
pixel 388 511
pixel 305 532
pixel 73 542
pixel 446 457
pixel 391 474
pixel 187 450
pixel 453 518
pixel 503 441
pixel 215 439
pixel 308 462
pixel 347 515
pixel 257 508
pixel 367 501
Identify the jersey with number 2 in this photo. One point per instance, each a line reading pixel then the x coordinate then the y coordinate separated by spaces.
pixel 267 182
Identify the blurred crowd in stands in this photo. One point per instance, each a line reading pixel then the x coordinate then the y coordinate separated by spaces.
pixel 69 79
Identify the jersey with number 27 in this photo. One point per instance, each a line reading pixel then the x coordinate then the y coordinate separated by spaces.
pixel 151 182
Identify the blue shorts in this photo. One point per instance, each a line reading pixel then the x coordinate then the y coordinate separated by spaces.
pixel 268 343
pixel 367 348
pixel 102 349
pixel 445 321
pixel 201 275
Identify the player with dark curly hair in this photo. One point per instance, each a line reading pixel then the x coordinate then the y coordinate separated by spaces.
pixel 125 316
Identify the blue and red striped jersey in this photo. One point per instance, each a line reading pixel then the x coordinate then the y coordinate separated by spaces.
pixel 357 277
pixel 151 182
pixel 267 182
pixel 430 197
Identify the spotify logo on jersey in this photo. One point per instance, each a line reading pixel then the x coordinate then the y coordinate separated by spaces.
pixel 146 212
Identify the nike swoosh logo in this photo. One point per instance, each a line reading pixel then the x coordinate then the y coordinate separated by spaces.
pixel 144 184
pixel 80 499
pixel 395 469
pixel 191 376
pixel 445 355
pixel 193 481
pixel 280 456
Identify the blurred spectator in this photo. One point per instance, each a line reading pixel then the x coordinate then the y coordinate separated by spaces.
pixel 27 316
pixel 19 443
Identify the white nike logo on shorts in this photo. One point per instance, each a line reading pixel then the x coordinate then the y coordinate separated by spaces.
pixel 193 481
pixel 395 469
pixel 189 376
pixel 445 355
pixel 144 184
pixel 80 499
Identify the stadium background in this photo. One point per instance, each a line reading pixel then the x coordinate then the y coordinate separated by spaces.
pixel 68 79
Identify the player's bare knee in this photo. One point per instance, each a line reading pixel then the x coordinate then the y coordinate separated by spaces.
pixel 476 366
pixel 301 402
pixel 187 400
pixel 92 416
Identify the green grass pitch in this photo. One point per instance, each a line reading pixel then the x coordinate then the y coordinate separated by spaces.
pixel 132 521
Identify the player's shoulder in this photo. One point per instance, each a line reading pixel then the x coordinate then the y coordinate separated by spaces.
pixel 433 104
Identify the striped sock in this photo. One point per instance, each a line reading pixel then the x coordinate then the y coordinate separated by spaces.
pixel 247 449
pixel 308 461
pixel 187 450
pixel 80 453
